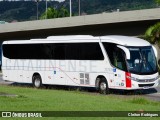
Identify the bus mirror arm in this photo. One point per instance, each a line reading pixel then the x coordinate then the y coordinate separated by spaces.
pixel 127 52
pixel 155 51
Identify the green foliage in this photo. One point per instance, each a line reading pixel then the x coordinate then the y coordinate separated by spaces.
pixel 63 12
pixel 140 101
pixel 51 13
pixel 54 13
pixel 60 100
pixel 152 34
pixel 30 99
pixel 157 1
pixel 26 10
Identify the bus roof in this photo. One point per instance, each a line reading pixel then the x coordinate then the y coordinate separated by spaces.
pixel 117 39
pixel 57 39
pixel 71 37
pixel 125 40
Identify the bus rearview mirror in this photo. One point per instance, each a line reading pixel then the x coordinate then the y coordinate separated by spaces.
pixel 155 51
pixel 126 50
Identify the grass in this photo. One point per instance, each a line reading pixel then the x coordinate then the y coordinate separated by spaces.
pixel 30 99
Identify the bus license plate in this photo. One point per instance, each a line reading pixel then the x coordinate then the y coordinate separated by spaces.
pixel 146 87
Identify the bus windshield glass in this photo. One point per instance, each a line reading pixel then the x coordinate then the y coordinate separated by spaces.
pixel 142 60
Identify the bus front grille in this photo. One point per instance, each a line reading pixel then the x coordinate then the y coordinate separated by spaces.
pixel 145 85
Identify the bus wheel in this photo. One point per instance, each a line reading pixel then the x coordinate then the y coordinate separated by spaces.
pixel 37 82
pixel 103 86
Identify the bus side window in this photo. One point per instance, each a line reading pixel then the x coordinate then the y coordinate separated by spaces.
pixel 116 56
pixel 59 52
pixel 118 59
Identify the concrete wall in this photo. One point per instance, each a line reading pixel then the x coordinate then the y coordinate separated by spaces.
pixel 124 23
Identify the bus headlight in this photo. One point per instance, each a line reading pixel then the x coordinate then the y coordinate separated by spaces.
pixel 134 79
pixel 156 77
pixel 144 80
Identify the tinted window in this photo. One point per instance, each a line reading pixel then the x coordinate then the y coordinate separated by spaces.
pixel 116 56
pixel 81 51
pixel 142 60
pixel 68 51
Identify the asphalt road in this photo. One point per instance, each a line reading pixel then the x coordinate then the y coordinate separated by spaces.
pixel 153 94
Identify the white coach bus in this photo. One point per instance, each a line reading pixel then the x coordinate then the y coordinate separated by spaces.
pixel 117 62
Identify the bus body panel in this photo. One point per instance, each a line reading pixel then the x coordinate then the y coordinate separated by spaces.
pixel 76 72
pixel 117 79
pixel 144 82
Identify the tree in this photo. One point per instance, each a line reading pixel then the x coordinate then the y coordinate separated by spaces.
pixel 152 34
pixel 63 12
pixel 54 13
pixel 157 1
pixel 51 13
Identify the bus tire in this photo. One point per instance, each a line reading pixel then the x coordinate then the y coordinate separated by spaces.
pixel 103 86
pixel 37 81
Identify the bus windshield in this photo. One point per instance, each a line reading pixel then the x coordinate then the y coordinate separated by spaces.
pixel 142 60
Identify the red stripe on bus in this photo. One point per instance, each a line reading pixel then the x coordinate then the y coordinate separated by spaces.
pixel 128 79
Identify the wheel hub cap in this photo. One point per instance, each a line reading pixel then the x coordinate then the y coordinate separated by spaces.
pixel 37 82
pixel 103 86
